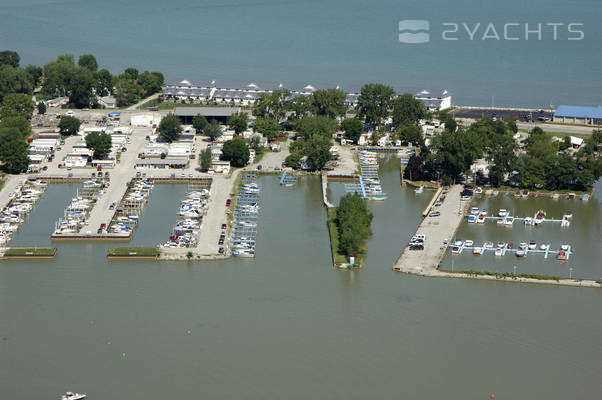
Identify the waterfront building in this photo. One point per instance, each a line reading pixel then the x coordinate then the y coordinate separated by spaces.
pixel 578 115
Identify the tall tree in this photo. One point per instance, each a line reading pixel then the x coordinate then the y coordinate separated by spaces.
pixel 11 58
pixel 170 127
pixel 236 151
pixel 151 82
pixel 21 126
pixel 99 143
pixel 309 126
pixel 329 103
pixel 69 125
pixel 268 127
pixel 199 123
pixel 317 150
pixel 14 155
pixel 374 102
pixel 81 88
pixel 88 61
pixel 41 108
pixel 34 73
pixel 104 82
pixel 16 105
pixel 407 110
pixel 239 122
pixel 131 73
pixel 13 80
pixel 128 92
pixel 213 130
pixel 353 129
pixel 271 105
pixel 58 75
pixel 206 159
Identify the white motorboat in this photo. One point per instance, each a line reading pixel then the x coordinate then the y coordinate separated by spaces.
pixel 468 243
pixel 73 396
pixel 502 212
pixel 499 252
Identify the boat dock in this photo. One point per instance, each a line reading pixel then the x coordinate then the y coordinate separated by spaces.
pixel 435 230
pixel 246 216
pixel 509 220
pixel 480 250
pixel 287 180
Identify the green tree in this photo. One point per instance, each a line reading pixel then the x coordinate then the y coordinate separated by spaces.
pixel 300 105
pixel 309 126
pixel 353 129
pixel 268 127
pixel 239 122
pixel 41 108
pixel 329 103
pixel 206 159
pixel 131 73
pixel 21 124
pixel 13 80
pixel 407 110
pixel 16 105
pixel 255 144
pixel 353 219
pixel 88 61
pixel 99 143
pixel 374 102
pixel 213 130
pixel 14 155
pixel 69 125
pixel 199 123
pixel 128 92
pixel 293 160
pixel 271 105
pixel 170 128
pixel 151 82
pixel 11 58
pixel 34 73
pixel 410 134
pixel 81 88
pixel 58 75
pixel 412 169
pixel 104 82
pixel 317 150
pixel 236 151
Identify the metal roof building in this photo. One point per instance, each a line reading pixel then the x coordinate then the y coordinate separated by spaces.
pixel 220 114
pixel 579 114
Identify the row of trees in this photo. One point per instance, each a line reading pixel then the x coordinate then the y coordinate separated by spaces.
pixel 15 128
pixel 82 82
pixel 353 221
pixel 538 166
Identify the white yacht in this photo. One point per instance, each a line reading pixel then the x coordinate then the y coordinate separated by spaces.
pixel 73 396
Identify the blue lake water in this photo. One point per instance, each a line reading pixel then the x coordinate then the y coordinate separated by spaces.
pixel 345 42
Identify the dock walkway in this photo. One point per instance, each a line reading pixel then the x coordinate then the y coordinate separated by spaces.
pixel 436 230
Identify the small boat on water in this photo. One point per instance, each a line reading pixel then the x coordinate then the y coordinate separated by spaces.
pixel 499 252
pixel 502 212
pixel 481 219
pixel 468 243
pixel 539 217
pixel 489 245
pixel 511 245
pixel 474 211
pixel 455 249
pixel 479 190
pixel 568 214
pixel 508 221
pixel 528 220
pixel 564 247
pixel 501 245
pixel 73 396
pixel 555 196
pixel 458 242
pixel 500 221
pixel 571 196
pixel 476 251
pixel 532 245
pixel 543 246
pixel 522 245
pixel 562 255
pixel 472 219
pixel 585 197
pixel 419 190
pixel 520 253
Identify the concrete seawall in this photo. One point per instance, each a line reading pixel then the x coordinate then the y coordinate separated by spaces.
pixel 436 230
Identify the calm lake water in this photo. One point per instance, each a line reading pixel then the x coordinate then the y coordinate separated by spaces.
pixel 345 42
pixel 287 325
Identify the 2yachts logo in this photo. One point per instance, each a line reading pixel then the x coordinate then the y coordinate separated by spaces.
pixel 418 31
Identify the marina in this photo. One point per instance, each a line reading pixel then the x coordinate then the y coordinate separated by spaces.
pixel 192 209
pixel 287 179
pixel 78 210
pixel 245 216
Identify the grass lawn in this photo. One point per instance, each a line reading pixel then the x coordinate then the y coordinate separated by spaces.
pixel 31 251
pixel 339 258
pixel 131 251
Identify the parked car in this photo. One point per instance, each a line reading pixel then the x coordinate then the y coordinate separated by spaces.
pixel 224 226
pixel 221 250
pixel 45 167
pixel 220 242
pixel 106 174
pixel 435 214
